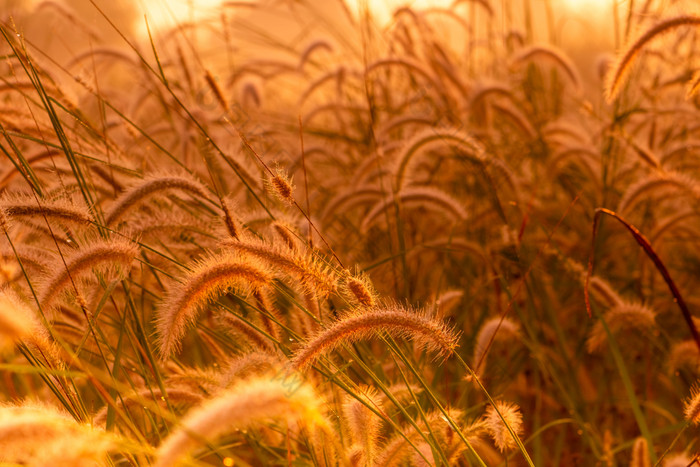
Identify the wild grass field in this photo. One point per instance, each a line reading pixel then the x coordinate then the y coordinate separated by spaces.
pixel 293 234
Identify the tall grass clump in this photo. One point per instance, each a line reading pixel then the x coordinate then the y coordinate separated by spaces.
pixel 283 233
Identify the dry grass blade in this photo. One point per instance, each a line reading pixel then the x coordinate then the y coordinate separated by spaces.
pixel 649 250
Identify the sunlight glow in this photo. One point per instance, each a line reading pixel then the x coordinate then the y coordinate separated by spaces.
pixel 166 13
pixel 587 7
pixel 382 10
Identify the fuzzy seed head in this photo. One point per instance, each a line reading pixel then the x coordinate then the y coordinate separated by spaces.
pixel 4 222
pixel 493 331
pixel 359 289
pixel 204 283
pixel 691 409
pixel 282 187
pixel 625 317
pixel 17 321
pixel 251 403
pixel 367 322
pixel 110 257
pixel 640 453
pixel 231 226
pixel 33 434
pixel 498 429
pixel 363 424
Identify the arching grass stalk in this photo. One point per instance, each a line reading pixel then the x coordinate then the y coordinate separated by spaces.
pixel 649 250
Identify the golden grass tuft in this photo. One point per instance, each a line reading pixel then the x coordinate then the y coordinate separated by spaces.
pixel 255 402
pixel 640 453
pixel 17 321
pixel 28 207
pixel 622 319
pixel 110 257
pixel 359 290
pixel 313 275
pixel 38 434
pixel 500 419
pixel 281 185
pixel 363 424
pixel 494 331
pixel 691 408
pixel 152 184
pixel 619 72
pixel 203 283
pixel 363 323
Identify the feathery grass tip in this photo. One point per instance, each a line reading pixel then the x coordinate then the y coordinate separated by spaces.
pixel 366 322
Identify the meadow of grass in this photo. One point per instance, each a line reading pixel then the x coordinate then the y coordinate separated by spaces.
pixel 291 235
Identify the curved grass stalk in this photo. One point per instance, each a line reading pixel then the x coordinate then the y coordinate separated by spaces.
pixel 420 197
pixel 618 75
pixel 649 250
pixel 366 322
pixel 553 54
pixel 240 407
pixel 149 186
pixel 205 282
pixel 113 257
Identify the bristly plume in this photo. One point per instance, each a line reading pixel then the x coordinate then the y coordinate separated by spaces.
pixel 495 330
pixel 24 205
pixel 4 221
pixel 229 220
pixel 618 75
pixel 214 86
pixel 281 185
pixel 17 321
pixel 364 323
pixel 640 453
pixel 111 257
pixel 204 283
pixel 359 290
pixel 242 406
pixel 148 186
pixel 553 54
pixel 363 424
pixel 626 317
pixel 41 435
pixel 498 427
pixel 691 409
pixel 313 275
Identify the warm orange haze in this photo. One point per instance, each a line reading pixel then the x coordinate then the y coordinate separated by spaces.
pixel 294 233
